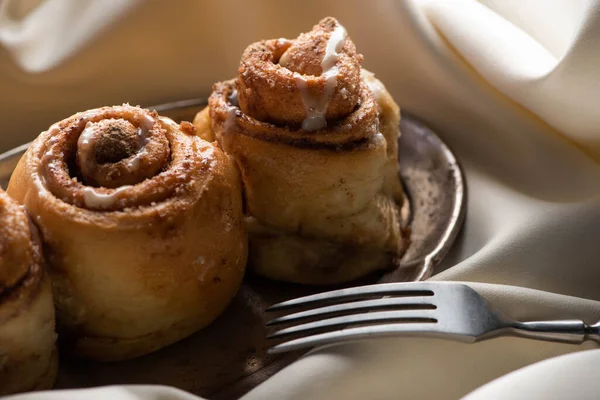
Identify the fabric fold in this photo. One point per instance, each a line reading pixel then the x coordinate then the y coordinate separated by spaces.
pixel 51 31
pixel 510 86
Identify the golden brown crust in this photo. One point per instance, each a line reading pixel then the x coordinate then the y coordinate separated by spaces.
pixel 354 130
pixel 27 336
pixel 323 205
pixel 203 126
pixel 270 92
pixel 155 262
pixel 17 252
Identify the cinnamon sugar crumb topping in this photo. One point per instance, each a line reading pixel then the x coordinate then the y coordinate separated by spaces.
pixel 188 128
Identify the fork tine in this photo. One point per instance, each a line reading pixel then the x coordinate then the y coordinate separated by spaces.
pixel 422 316
pixel 404 289
pixel 363 332
pixel 415 302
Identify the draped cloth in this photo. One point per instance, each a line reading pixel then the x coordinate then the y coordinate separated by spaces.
pixel 510 85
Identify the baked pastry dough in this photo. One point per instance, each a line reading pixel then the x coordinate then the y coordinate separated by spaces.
pixel 143 228
pixel 315 138
pixel 28 358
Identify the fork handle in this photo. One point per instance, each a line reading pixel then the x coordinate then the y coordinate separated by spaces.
pixel 565 331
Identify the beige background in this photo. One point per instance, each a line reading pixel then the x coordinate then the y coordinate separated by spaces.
pixel 511 85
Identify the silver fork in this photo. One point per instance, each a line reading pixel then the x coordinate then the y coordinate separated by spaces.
pixel 435 309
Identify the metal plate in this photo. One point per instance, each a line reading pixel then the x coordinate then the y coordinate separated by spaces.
pixel 228 358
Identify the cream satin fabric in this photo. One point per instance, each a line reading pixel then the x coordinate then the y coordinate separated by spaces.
pixel 573 376
pixel 511 85
pixel 132 392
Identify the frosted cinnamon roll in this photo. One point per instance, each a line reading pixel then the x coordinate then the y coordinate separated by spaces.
pixel 142 224
pixel 315 138
pixel 28 358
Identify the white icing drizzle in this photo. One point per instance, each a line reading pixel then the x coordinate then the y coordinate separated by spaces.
pixel 208 156
pixel 230 120
pixel 233 98
pixel 51 132
pixel 94 199
pixel 134 163
pixel 40 184
pixel 146 123
pixel 334 46
pixel 316 106
pixel 228 126
pixel 86 138
pixel 232 107
pixel 142 134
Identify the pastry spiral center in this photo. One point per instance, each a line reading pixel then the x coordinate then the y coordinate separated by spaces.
pixel 119 140
pixel 118 152
pixel 316 52
pixel 310 82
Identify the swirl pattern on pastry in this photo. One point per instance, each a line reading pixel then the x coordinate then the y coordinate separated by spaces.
pixel 303 82
pixel 28 358
pixel 317 150
pixel 142 224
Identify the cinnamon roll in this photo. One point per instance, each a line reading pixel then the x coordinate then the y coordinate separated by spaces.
pixel 142 224
pixel 315 138
pixel 28 358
